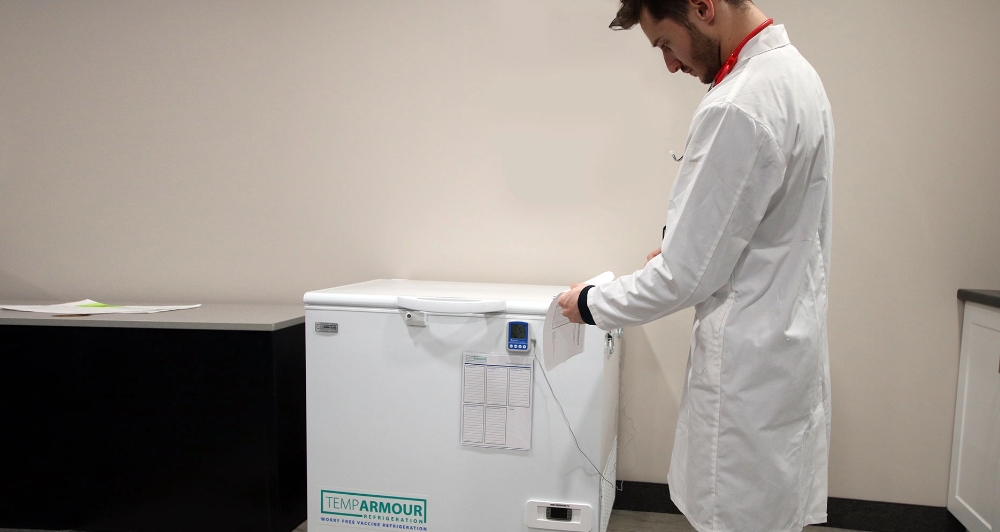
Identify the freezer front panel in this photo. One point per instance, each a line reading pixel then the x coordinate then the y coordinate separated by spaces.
pixel 384 403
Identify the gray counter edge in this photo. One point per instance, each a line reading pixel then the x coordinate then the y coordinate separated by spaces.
pixel 225 317
pixel 990 298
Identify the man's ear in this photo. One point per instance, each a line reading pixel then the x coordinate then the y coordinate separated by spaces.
pixel 703 10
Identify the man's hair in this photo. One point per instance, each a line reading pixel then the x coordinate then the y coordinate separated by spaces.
pixel 676 10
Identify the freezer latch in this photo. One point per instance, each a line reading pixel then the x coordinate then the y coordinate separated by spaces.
pixel 414 318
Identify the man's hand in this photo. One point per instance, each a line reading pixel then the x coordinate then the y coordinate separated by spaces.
pixel 570 301
pixel 652 254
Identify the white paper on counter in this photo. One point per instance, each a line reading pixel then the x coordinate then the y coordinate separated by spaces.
pixel 561 338
pixel 87 307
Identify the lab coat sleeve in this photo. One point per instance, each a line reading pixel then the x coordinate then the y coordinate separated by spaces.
pixel 732 168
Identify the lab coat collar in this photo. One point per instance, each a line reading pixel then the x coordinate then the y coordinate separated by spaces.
pixel 772 37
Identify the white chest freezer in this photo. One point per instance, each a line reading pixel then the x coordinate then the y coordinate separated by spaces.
pixel 428 410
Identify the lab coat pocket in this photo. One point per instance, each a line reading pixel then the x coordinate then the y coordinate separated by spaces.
pixel 706 341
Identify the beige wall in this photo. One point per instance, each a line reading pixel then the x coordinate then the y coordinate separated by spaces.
pixel 206 151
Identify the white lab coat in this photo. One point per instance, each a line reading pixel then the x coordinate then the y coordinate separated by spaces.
pixel 748 244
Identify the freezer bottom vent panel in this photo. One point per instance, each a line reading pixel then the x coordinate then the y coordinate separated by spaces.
pixel 608 489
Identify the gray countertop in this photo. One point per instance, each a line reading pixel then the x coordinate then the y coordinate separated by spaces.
pixel 212 316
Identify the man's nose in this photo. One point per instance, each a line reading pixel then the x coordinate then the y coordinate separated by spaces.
pixel 673 65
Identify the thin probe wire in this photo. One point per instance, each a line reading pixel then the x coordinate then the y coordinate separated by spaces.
pixel 570 427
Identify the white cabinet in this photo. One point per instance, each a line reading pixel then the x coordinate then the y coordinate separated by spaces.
pixel 974 487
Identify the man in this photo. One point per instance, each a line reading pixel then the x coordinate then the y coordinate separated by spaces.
pixel 747 243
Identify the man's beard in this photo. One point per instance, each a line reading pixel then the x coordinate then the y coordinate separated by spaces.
pixel 705 54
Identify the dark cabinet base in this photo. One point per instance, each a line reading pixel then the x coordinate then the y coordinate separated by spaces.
pixel 152 430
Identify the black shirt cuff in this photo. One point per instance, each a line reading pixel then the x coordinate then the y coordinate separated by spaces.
pixel 581 304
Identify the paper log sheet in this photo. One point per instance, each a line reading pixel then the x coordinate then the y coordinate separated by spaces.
pixel 561 338
pixel 496 401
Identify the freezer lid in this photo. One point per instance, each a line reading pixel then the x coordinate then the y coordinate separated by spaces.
pixel 436 296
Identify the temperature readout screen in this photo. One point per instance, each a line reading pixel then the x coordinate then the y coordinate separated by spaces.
pixel 517 336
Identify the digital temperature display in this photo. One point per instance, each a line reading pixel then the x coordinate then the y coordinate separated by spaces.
pixel 517 336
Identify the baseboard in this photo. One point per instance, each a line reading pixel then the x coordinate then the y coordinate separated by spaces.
pixel 850 514
pixel 876 516
pixel 644 497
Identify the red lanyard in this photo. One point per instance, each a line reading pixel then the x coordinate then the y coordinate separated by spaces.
pixel 731 62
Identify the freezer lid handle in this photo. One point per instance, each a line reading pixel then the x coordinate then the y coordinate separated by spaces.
pixel 451 305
